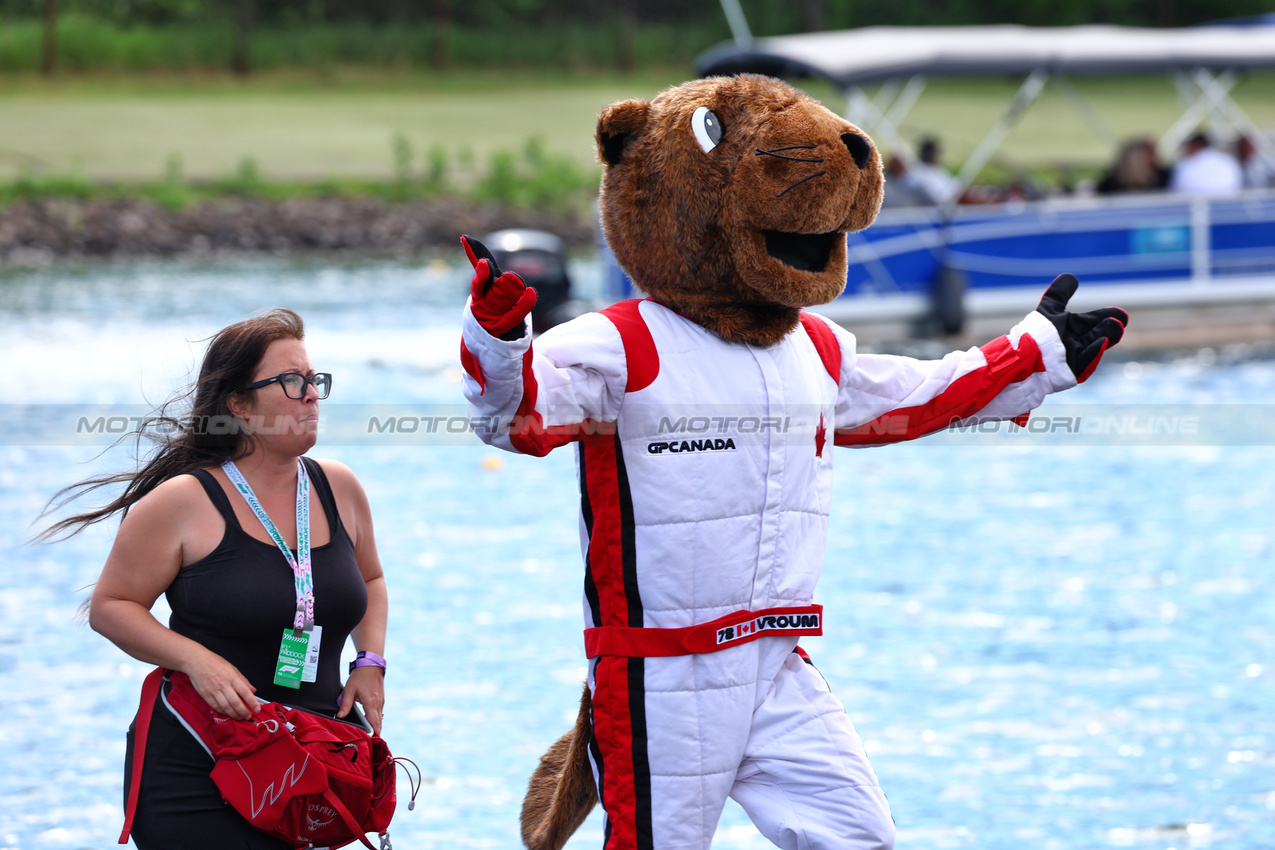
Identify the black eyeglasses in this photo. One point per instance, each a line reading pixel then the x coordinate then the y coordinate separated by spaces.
pixel 294 384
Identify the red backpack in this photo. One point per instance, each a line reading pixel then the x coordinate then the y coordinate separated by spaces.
pixel 306 779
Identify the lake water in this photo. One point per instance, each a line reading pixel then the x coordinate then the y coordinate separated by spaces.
pixel 1062 639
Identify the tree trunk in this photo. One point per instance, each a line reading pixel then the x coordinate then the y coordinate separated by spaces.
pixel 626 27
pixel 50 61
pixel 241 62
pixel 440 54
pixel 812 18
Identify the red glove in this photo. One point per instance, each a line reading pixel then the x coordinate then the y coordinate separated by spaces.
pixel 501 301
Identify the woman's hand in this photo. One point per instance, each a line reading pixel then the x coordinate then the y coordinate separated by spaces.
pixel 222 686
pixel 367 686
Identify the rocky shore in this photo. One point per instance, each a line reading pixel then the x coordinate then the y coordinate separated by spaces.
pixel 33 232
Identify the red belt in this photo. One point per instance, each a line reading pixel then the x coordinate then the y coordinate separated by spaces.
pixel 730 630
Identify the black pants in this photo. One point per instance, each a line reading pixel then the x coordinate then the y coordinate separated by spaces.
pixel 179 806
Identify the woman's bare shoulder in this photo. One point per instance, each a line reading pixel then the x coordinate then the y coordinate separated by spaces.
pixel 174 500
pixel 340 476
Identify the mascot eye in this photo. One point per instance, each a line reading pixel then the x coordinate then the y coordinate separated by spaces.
pixel 707 127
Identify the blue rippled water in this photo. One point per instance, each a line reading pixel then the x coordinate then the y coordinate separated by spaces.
pixel 1045 643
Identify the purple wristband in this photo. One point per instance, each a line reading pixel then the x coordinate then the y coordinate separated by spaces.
pixel 367 659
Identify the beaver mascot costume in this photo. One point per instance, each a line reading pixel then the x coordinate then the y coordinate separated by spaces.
pixel 704 417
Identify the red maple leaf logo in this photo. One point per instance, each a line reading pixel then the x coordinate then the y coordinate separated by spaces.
pixel 821 437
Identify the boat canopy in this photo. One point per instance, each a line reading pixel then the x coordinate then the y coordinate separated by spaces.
pixel 851 58
pixel 1205 62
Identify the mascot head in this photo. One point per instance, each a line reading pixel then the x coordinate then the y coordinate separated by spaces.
pixel 729 200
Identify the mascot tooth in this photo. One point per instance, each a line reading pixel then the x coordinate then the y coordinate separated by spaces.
pixel 703 418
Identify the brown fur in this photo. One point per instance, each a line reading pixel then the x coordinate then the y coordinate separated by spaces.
pixel 689 228
pixel 561 792
pixel 688 225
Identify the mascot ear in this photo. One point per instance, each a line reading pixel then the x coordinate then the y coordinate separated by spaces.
pixel 618 124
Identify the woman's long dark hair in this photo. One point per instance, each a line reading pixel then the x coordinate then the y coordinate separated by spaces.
pixel 206 436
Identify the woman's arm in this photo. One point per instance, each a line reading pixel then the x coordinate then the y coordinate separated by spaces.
pixel 365 684
pixel 149 549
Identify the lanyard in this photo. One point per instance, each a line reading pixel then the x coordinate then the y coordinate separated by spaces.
pixel 301 572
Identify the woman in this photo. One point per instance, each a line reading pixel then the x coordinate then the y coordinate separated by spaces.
pixel 188 532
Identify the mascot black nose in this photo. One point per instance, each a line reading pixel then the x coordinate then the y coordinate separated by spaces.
pixel 859 147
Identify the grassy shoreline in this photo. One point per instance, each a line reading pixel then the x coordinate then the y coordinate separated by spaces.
pixel 519 140
pixel 357 123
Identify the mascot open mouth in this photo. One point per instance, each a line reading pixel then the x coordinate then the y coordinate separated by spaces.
pixel 807 252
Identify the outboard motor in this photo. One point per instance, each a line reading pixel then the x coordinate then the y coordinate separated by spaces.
pixel 537 258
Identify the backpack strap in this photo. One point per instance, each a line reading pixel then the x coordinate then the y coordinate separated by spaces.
pixel 342 812
pixel 150 691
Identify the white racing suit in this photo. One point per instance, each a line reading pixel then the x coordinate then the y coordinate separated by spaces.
pixel 705 472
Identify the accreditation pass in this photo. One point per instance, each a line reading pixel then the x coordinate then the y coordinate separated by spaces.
pixel 298 657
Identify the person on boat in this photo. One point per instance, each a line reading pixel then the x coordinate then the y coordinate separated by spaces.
pixel 1257 170
pixel 1137 169
pixel 218 520
pixel 900 189
pixel 1205 170
pixel 932 178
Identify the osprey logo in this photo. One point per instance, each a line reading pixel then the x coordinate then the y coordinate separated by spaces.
pixel 689 446
pixel 271 795
pixel 318 816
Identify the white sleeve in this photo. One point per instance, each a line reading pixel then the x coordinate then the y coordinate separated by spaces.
pixel 532 397
pixel 885 398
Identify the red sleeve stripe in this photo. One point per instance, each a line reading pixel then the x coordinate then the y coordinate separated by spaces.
pixel 967 395
pixel 470 364
pixel 640 354
pixel 528 432
pixel 825 343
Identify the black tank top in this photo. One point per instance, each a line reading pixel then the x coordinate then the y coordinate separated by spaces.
pixel 238 600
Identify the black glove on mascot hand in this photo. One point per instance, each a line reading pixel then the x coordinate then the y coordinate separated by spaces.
pixel 1085 336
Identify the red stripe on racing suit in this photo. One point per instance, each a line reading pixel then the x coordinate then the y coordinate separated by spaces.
pixel 733 629
pixel 529 434
pixel 619 724
pixel 966 396
pixel 641 357
pixel 611 555
pixel 825 342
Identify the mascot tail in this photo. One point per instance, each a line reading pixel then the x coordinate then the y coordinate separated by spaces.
pixel 561 792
